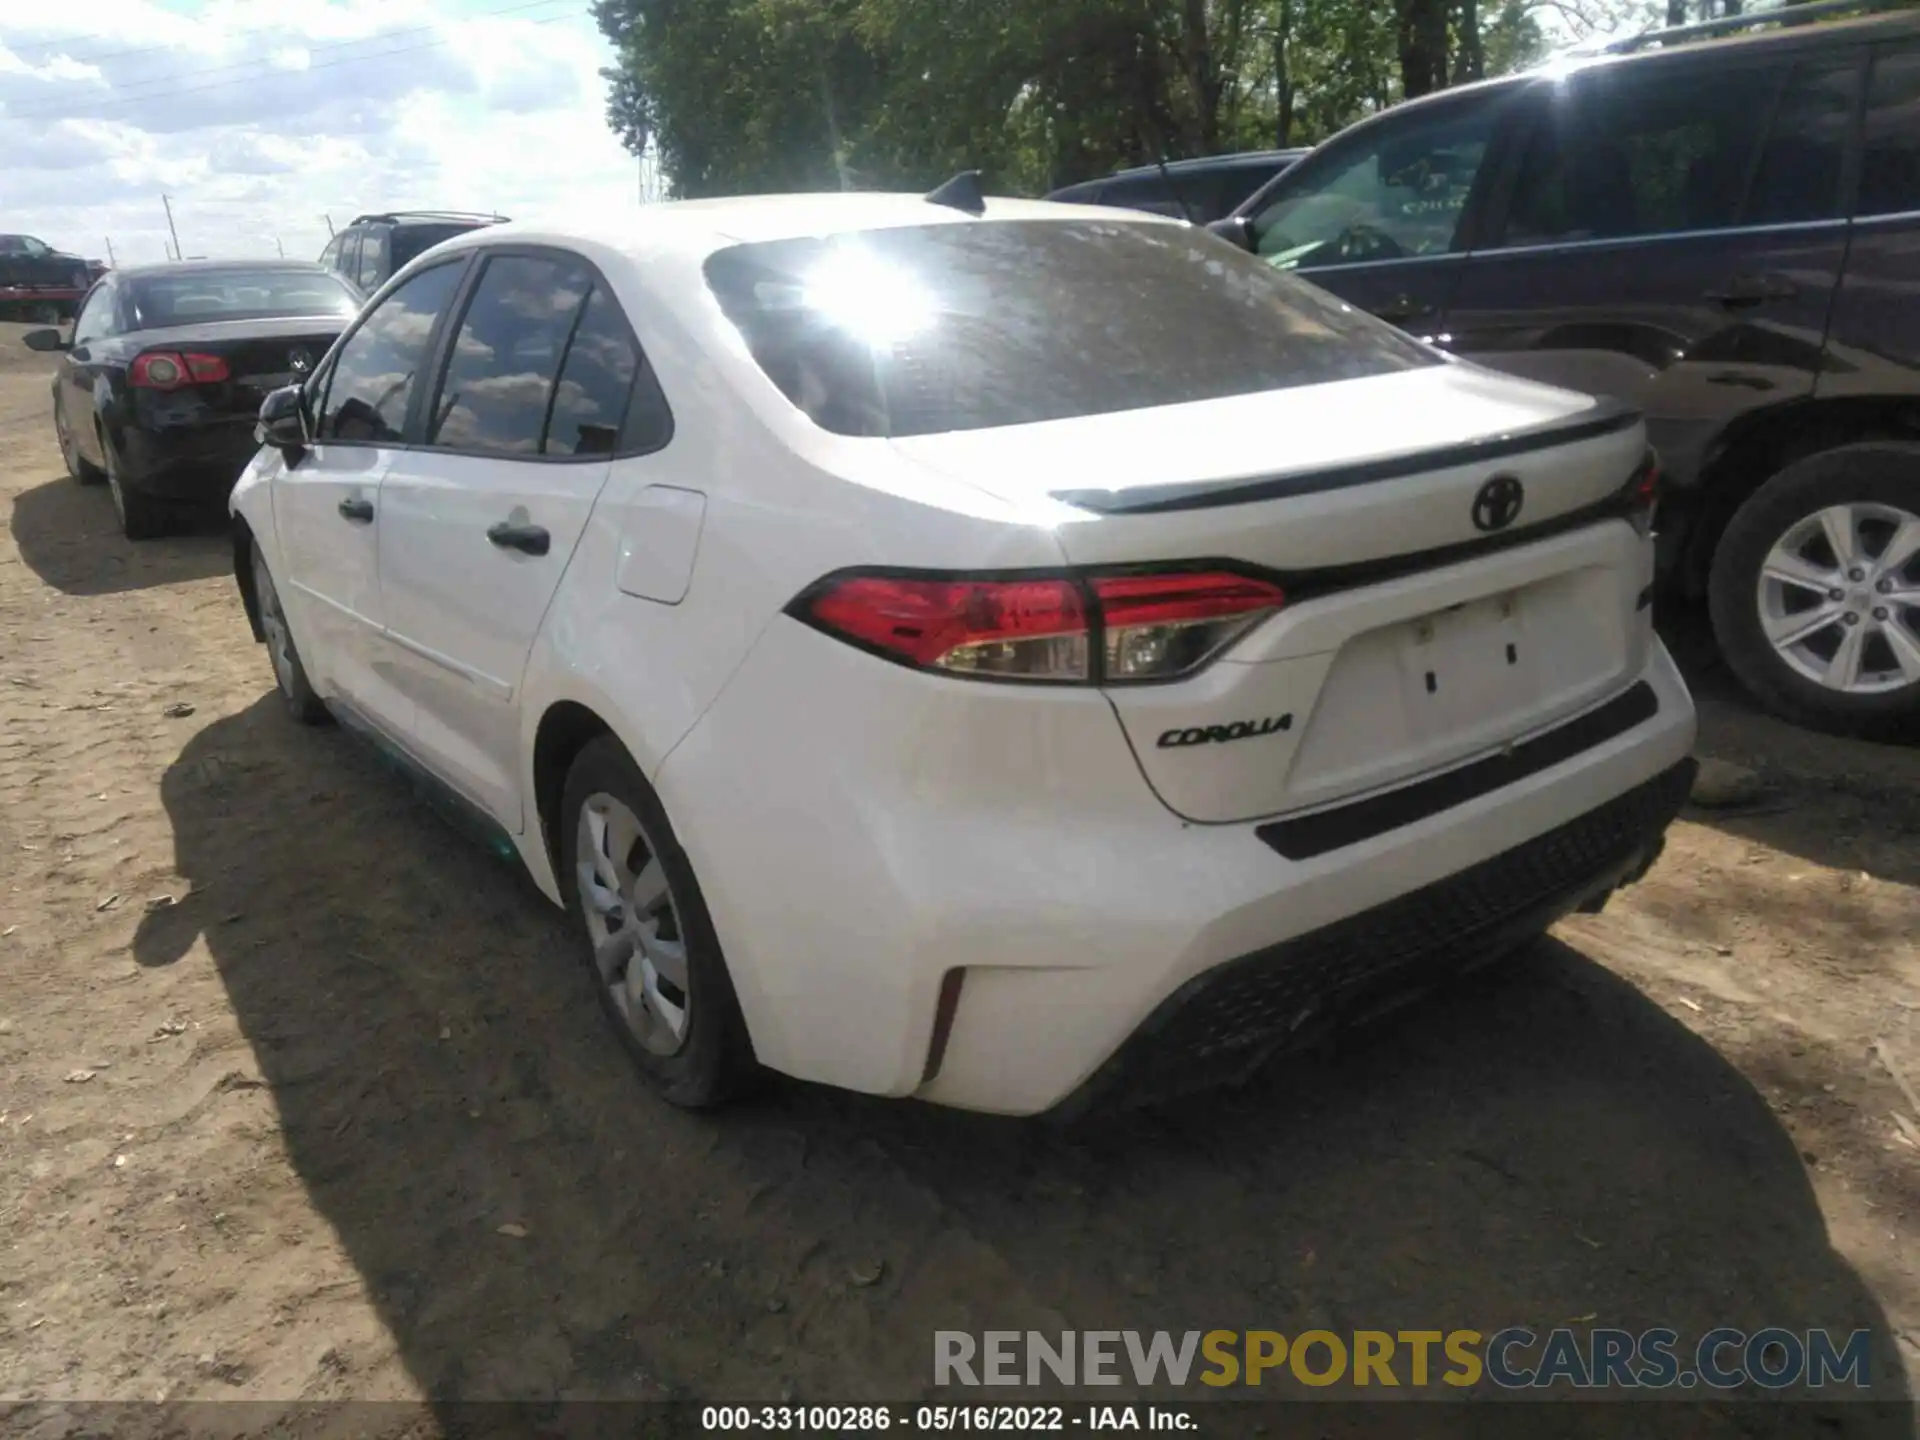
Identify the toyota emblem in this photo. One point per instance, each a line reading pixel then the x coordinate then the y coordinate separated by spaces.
pixel 300 361
pixel 1497 503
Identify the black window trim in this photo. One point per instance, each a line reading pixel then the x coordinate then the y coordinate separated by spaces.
pixel 440 349
pixel 324 372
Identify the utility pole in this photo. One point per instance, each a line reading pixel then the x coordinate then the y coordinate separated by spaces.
pixel 278 246
pixel 170 230
pixel 110 260
pixel 329 220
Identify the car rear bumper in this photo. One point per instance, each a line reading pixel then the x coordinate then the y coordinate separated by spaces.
pixel 862 833
pixel 199 462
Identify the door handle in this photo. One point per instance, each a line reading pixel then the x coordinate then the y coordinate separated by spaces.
pixel 528 539
pixel 1744 290
pixel 357 509
pixel 1403 308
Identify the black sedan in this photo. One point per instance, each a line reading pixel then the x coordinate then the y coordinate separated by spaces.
pixel 159 386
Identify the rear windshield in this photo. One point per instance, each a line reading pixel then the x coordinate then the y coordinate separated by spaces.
pixel 187 299
pixel 934 328
pixel 413 240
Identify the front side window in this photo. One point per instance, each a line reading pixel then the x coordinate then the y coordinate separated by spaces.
pixel 1890 164
pixel 1397 190
pixel 1620 152
pixel 236 294
pixel 374 373
pixel 923 329
pixel 330 256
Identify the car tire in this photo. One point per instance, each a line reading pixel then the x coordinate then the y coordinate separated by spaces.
pixel 78 466
pixel 654 958
pixel 1781 592
pixel 289 673
pixel 141 516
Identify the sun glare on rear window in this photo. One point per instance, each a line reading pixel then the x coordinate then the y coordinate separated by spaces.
pixel 933 328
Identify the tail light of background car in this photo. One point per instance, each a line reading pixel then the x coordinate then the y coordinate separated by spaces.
pixel 1642 494
pixel 172 369
pixel 1095 628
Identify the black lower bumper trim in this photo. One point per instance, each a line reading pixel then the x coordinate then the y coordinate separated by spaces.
pixel 1324 830
pixel 1222 1025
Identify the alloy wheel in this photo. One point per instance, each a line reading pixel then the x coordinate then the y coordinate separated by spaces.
pixel 1839 598
pixel 639 945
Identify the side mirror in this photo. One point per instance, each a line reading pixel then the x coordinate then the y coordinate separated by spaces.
pixel 283 420
pixel 47 339
pixel 1234 229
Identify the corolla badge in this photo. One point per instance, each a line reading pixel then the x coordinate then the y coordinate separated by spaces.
pixel 1217 734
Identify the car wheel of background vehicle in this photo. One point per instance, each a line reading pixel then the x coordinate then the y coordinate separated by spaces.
pixel 142 517
pixel 78 466
pixel 291 676
pixel 655 959
pixel 1815 590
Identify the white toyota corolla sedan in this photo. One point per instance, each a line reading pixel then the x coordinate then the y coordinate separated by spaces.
pixel 1013 655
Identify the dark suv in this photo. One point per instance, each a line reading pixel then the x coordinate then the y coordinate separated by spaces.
pixel 1196 190
pixel 373 247
pixel 1725 234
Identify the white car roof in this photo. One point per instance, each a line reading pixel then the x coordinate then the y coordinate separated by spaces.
pixel 696 228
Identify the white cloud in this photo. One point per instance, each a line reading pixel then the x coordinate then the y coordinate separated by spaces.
pixel 260 117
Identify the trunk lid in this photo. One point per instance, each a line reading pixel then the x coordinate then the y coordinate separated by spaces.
pixel 1430 618
pixel 261 355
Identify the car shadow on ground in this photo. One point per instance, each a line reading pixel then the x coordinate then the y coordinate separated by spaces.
pixel 69 537
pixel 1538 1146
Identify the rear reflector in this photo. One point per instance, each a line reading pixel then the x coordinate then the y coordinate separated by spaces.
pixel 1094 628
pixel 171 369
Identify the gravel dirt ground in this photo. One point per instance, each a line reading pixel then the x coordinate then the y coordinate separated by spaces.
pixel 301 1096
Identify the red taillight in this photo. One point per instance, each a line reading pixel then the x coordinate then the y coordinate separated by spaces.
pixel 170 369
pixel 1028 629
pixel 1643 494
pixel 1151 626
pixel 1159 626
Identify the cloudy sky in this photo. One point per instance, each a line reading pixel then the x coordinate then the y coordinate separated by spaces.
pixel 261 117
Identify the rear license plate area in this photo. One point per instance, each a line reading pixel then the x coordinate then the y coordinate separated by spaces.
pixel 1465 666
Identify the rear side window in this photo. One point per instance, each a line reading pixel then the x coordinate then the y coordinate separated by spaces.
pixel 374 373
pixel 1621 153
pixel 590 402
pixel 373 260
pixel 924 329
pixel 1890 164
pixel 544 363
pixel 1803 164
